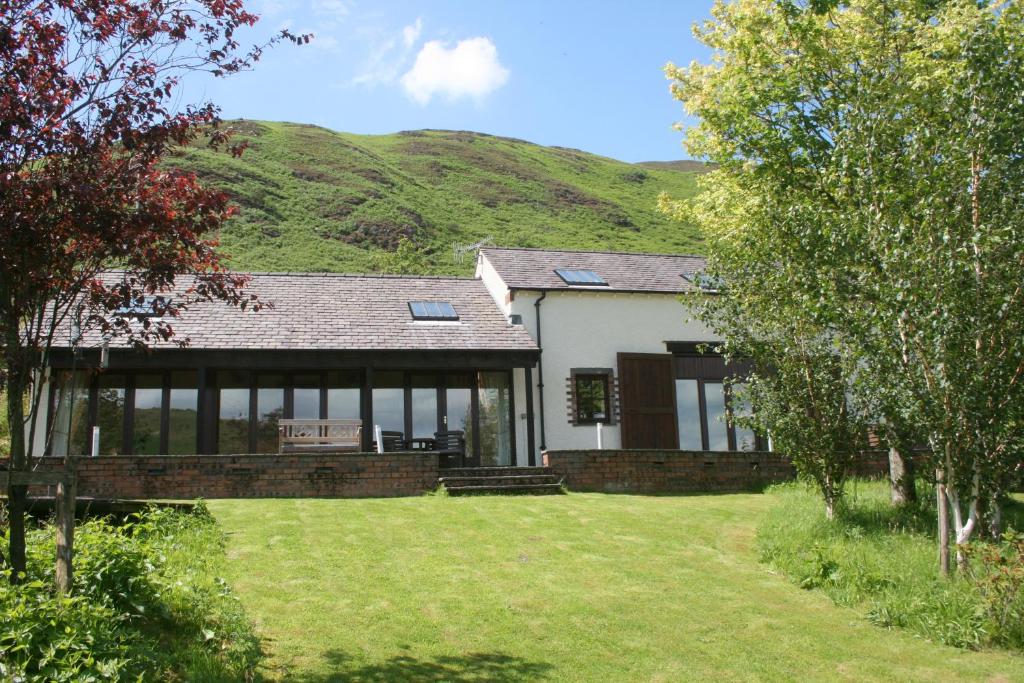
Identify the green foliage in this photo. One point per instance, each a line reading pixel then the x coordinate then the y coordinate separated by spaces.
pixel 405 260
pixel 881 560
pixel 868 152
pixel 145 603
pixel 311 199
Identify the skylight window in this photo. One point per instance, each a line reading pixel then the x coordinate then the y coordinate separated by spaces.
pixel 149 307
pixel 709 284
pixel 581 277
pixel 432 310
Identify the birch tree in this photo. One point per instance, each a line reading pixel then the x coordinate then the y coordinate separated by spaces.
pixel 882 144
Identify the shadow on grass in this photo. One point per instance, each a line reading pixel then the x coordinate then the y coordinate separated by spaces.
pixel 477 666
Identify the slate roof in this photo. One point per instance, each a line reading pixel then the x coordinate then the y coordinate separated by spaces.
pixel 624 272
pixel 348 312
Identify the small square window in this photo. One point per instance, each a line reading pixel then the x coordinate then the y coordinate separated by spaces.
pixel 592 398
pixel 581 277
pixel 432 310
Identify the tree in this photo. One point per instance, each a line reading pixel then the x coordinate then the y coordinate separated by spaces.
pixel 884 138
pixel 87 112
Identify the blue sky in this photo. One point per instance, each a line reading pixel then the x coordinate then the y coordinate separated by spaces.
pixel 576 74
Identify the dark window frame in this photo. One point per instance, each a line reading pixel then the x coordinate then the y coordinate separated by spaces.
pixel 607 377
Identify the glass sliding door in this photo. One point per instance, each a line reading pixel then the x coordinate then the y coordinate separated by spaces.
pixel 423 395
pixel 718 428
pixel 147 414
pixel 495 418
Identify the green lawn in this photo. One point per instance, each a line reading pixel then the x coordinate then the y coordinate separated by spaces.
pixel 583 587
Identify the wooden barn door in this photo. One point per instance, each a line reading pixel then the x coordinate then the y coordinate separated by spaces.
pixel 648 401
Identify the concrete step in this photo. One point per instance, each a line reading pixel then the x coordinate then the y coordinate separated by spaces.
pixel 523 489
pixel 493 471
pixel 505 480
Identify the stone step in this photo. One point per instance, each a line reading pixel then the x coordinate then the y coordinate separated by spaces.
pixel 528 489
pixel 493 471
pixel 509 480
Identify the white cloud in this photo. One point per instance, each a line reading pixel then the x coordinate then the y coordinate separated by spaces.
pixel 411 33
pixel 470 69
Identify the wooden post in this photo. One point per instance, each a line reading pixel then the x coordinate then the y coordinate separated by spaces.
pixel 943 510
pixel 65 509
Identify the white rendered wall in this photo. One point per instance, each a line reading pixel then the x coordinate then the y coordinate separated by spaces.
pixel 587 329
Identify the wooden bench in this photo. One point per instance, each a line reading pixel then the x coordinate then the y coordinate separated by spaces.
pixel 319 436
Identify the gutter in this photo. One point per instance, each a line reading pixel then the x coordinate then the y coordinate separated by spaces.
pixel 540 369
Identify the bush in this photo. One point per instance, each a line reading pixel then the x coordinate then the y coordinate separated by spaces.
pixel 145 604
pixel 883 560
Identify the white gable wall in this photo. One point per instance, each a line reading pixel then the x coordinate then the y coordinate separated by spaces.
pixel 588 330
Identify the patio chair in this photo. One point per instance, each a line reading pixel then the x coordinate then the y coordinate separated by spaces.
pixel 451 448
pixel 393 441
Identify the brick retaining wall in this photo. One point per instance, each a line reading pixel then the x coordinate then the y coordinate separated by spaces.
pixel 650 471
pixel 341 475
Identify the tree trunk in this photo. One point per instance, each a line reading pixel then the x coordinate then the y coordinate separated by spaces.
pixel 943 510
pixel 901 476
pixel 17 495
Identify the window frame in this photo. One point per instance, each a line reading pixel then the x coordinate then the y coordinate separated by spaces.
pixel 607 377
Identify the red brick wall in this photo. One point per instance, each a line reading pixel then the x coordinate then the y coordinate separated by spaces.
pixel 651 471
pixel 345 475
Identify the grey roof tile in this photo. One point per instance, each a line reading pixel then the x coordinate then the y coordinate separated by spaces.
pixel 347 312
pixel 624 272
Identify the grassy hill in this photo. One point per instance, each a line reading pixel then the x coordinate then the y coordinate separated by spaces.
pixel 312 199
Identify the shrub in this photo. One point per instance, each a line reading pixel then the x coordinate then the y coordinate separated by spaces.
pixel 145 604
pixel 881 560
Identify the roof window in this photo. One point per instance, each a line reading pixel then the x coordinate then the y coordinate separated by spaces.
pixel 581 277
pixel 709 284
pixel 149 306
pixel 432 310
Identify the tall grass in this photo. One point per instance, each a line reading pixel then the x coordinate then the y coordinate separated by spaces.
pixel 882 560
pixel 146 604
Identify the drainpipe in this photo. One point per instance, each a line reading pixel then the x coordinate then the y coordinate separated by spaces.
pixel 540 370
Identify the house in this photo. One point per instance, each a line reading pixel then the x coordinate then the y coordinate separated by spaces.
pixel 534 352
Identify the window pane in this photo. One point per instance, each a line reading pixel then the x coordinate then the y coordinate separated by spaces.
pixel 591 398
pixel 269 409
pixel 149 393
pixel 389 401
pixel 71 413
pixel 495 416
pixel 184 413
pixel 233 423
pixel 306 397
pixel 458 397
pixel 110 414
pixel 746 440
pixel 343 394
pixel 718 430
pixel 688 415
pixel 424 406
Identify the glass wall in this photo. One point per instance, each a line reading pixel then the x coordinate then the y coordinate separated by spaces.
pixel 146 414
pixel 343 392
pixel 688 415
pixel 269 409
pixel 110 413
pixel 389 401
pixel 306 397
pixel 183 413
pixel 70 413
pixel 718 428
pixel 233 412
pixel 424 406
pixel 746 439
pixel 495 415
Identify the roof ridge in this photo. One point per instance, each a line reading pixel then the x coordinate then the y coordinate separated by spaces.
pixel 590 251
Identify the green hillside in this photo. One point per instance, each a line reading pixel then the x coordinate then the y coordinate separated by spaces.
pixel 315 200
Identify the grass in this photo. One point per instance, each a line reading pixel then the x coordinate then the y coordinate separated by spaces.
pixel 312 199
pixel 583 587
pixel 882 561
